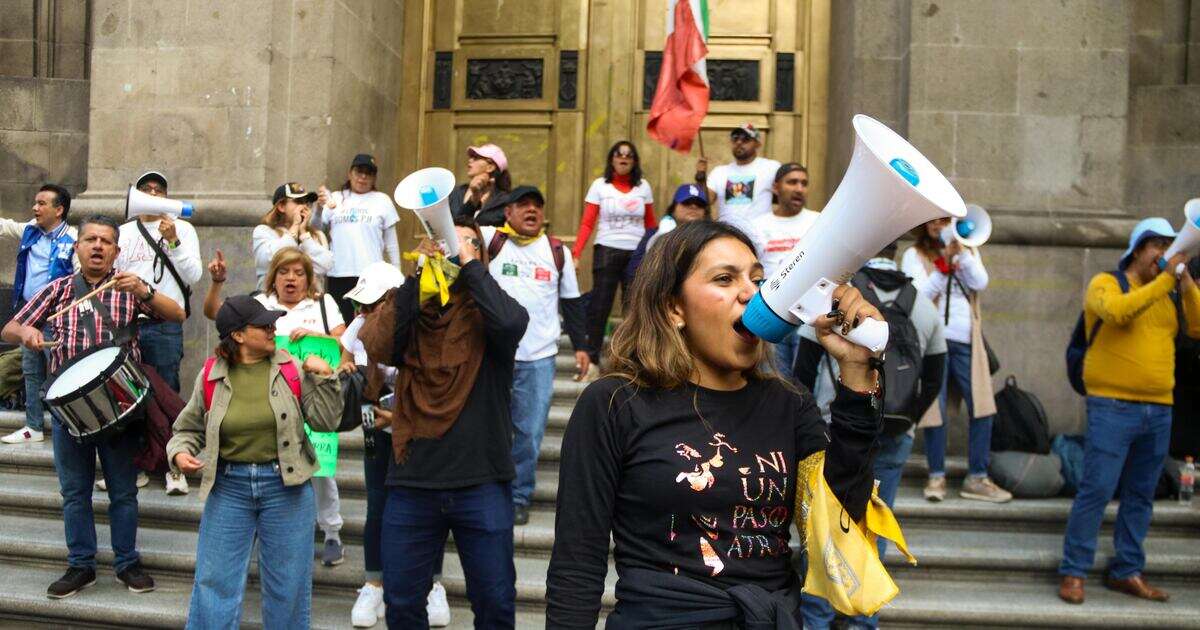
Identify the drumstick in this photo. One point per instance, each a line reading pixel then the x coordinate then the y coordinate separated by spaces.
pixel 50 344
pixel 83 299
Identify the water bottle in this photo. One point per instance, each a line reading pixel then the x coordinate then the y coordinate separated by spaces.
pixel 1187 480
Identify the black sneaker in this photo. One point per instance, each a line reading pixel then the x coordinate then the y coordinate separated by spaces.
pixel 74 580
pixel 520 515
pixel 136 579
pixel 333 554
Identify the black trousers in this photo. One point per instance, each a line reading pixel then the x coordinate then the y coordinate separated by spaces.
pixel 338 287
pixel 608 271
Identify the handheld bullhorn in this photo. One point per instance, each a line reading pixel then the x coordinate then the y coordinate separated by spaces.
pixel 972 230
pixel 426 193
pixel 1188 240
pixel 138 203
pixel 889 188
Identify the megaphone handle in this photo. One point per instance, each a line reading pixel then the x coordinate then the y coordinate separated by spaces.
pixel 871 334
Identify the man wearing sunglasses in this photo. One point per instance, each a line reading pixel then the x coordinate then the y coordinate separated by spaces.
pixel 742 188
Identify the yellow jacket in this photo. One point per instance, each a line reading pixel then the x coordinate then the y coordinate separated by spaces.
pixel 1132 356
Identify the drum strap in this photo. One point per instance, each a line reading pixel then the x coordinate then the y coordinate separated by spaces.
pixel 121 336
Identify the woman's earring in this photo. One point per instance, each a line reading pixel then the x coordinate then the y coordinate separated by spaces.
pixel 679 325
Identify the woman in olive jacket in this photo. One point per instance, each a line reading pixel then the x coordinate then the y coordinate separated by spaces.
pixel 255 468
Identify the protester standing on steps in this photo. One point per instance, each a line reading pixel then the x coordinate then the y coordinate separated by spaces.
pixel 482 198
pixel 165 252
pixel 657 452
pixel 287 225
pixel 361 222
pixel 1132 322
pixel 537 271
pixel 45 253
pixel 622 204
pixel 451 437
pixel 255 463
pixel 740 190
pixel 952 276
pixel 76 332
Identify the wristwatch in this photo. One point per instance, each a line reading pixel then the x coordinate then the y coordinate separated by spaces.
pixel 150 295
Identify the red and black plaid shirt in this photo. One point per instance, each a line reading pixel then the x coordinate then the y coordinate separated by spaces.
pixel 70 328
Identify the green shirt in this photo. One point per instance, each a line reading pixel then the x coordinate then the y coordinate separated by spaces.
pixel 248 432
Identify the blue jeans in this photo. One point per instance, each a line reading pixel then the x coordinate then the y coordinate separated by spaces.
pixel 785 353
pixel 1126 444
pixel 533 387
pixel 249 502
pixel 76 467
pixel 415 524
pixel 818 614
pixel 161 344
pixel 979 436
pixel 33 364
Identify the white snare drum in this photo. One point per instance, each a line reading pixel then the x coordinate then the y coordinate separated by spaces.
pixel 97 393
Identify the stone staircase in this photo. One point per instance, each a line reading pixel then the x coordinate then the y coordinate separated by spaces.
pixel 981 565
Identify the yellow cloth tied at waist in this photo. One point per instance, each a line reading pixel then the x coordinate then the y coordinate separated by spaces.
pixel 843 559
pixel 437 274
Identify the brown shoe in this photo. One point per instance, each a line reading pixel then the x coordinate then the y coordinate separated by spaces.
pixel 1135 585
pixel 1070 589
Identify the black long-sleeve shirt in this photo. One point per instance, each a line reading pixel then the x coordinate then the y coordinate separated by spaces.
pixel 477 448
pixel 694 481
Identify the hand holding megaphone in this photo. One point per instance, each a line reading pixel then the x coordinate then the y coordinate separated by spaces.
pixel 1188 241
pixel 846 330
pixel 325 199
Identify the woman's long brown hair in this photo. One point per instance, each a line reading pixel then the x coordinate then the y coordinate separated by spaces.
pixel 647 349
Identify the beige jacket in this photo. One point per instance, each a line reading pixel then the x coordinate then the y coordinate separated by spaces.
pixel 199 432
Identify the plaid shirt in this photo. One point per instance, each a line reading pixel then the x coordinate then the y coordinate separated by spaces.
pixel 70 328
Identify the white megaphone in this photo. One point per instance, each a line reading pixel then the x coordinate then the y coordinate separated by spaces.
pixel 425 192
pixel 1188 240
pixel 138 203
pixel 889 188
pixel 972 230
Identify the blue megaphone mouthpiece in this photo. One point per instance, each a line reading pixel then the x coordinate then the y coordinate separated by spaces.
pixel 965 228
pixel 428 195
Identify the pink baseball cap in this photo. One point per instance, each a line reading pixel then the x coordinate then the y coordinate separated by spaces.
pixel 491 152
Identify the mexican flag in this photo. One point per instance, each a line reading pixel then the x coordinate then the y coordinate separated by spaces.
pixel 681 99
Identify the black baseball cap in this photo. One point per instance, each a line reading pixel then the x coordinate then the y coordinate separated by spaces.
pixel 240 311
pixel 788 168
pixel 151 176
pixel 295 191
pixel 363 160
pixel 520 192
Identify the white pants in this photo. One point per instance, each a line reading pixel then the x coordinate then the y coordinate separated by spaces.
pixel 329 507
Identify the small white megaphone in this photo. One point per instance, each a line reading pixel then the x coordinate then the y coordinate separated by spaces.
pixel 138 203
pixel 889 188
pixel 1188 241
pixel 425 192
pixel 972 230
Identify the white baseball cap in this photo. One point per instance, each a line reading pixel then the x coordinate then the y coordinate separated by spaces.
pixel 375 280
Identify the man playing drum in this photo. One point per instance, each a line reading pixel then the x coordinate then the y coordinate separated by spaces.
pixel 103 319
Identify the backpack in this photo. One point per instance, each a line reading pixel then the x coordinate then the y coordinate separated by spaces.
pixel 1020 423
pixel 288 370
pixel 1069 449
pixel 1027 475
pixel 1078 346
pixel 556 250
pixel 902 369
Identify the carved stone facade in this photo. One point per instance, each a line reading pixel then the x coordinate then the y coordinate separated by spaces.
pixel 504 79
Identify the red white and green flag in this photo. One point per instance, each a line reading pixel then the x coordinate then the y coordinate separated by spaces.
pixel 681 99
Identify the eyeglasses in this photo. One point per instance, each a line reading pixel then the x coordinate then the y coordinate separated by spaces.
pixel 476 243
pixel 625 154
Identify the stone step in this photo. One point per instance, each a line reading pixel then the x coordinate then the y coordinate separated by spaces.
pixel 110 604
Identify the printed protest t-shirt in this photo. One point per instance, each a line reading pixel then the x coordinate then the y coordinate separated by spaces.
pixel 306 314
pixel 780 234
pixel 622 221
pixel 744 191
pixel 356 229
pixel 529 275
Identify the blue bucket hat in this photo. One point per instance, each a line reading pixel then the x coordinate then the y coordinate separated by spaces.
pixel 1146 228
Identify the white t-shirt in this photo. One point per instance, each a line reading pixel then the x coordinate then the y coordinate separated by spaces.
pixel 970 274
pixel 356 230
pixel 780 235
pixel 622 220
pixel 744 190
pixel 306 314
pixel 137 256
pixel 528 274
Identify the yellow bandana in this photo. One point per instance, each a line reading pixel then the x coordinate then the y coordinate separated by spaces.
pixel 437 274
pixel 521 239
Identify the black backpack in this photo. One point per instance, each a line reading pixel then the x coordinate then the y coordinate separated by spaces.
pixel 1078 346
pixel 1020 423
pixel 902 367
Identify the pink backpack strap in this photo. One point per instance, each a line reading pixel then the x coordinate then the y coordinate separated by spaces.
pixel 210 386
pixel 288 370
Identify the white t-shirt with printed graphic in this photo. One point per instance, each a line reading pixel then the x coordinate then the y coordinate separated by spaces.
pixel 306 314
pixel 529 275
pixel 744 191
pixel 356 230
pixel 622 220
pixel 780 234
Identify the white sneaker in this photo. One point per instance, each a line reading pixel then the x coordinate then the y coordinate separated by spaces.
pixel 368 609
pixel 436 607
pixel 23 435
pixel 142 480
pixel 176 484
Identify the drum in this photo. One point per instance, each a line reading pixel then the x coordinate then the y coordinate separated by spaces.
pixel 97 393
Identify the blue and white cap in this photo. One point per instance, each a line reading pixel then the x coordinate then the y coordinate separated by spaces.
pixel 1146 228
pixel 689 192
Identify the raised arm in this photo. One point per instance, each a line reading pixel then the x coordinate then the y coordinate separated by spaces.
pixel 1104 297
pixel 504 319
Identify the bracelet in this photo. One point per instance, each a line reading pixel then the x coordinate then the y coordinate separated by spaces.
pixel 873 392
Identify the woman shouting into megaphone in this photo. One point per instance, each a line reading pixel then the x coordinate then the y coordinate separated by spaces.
pixel 685 452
